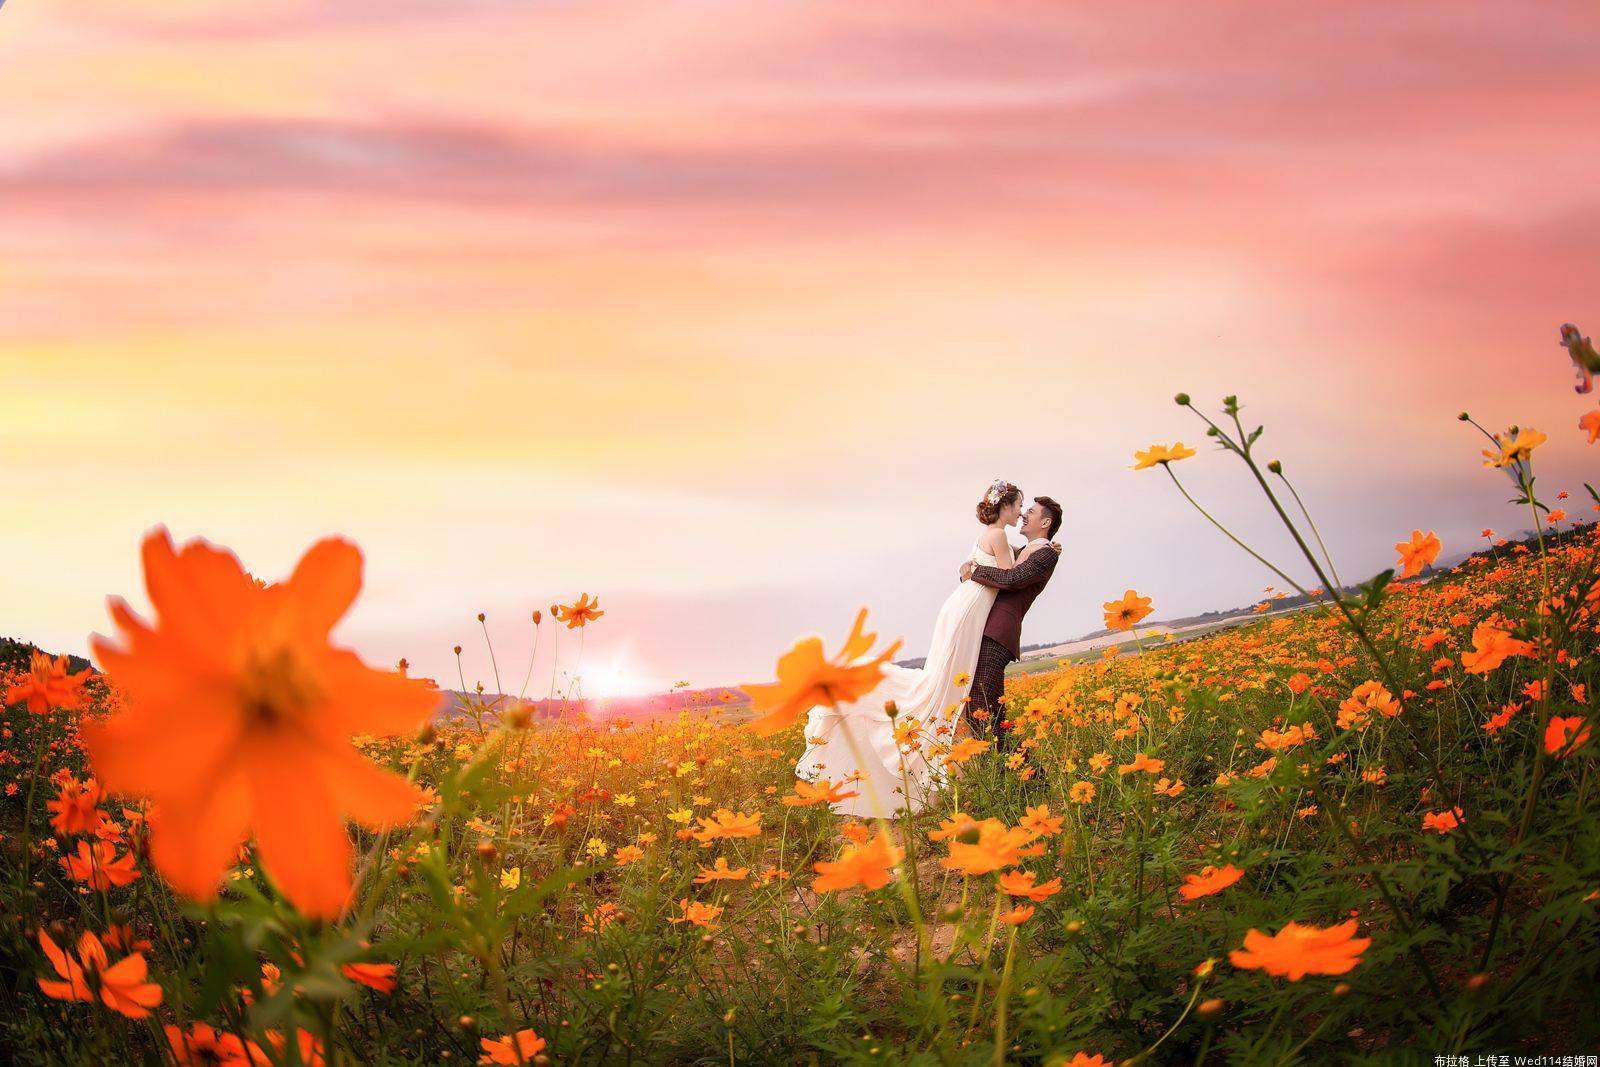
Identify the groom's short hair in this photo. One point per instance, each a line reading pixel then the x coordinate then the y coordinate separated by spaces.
pixel 1052 509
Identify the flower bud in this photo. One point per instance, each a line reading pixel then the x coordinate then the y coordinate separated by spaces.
pixel 519 717
pixel 1464 416
pixel 1211 1007
pixel 1182 400
pixel 458 650
pixel 1342 989
pixel 480 616
pixel 487 852
pixel 1276 466
pixel 467 1022
pixel 538 617
pixel 428 734
pixel 891 709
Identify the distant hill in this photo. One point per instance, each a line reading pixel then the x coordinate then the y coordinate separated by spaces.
pixel 16 655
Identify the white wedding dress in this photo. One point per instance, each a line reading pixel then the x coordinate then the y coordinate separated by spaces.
pixel 903 771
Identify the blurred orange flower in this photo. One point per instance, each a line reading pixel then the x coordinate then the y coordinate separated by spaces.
pixel 1564 734
pixel 1161 454
pixel 1442 822
pixel 1210 880
pixel 121 985
pixel 1021 884
pixel 1126 613
pixel 521 1048
pixel 1141 762
pixel 1491 646
pixel 47 685
pixel 378 976
pixel 203 1046
pixel 579 613
pixel 1417 553
pixel 1296 950
pixel 806 678
pixel 76 808
pixel 997 846
pixel 100 866
pixel 1039 821
pixel 1589 423
pixel 869 865
pixel 721 872
pixel 239 719
pixel 724 823
pixel 692 911
pixel 823 792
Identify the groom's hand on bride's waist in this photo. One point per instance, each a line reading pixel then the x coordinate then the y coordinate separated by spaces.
pixel 966 569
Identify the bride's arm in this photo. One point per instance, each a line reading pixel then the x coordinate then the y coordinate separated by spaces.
pixel 1035 569
pixel 994 542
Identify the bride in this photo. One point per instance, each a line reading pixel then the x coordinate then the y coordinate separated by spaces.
pixel 894 762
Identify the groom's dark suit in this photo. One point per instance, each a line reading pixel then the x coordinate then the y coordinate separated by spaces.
pixel 1002 634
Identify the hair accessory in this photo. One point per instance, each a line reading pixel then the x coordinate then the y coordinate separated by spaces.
pixel 996 487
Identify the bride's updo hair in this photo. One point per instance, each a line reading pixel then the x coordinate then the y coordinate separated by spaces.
pixel 1000 495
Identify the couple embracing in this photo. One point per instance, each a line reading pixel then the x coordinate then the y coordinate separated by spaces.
pixel 890 742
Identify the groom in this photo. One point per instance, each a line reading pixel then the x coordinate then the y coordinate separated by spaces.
pixel 1002 635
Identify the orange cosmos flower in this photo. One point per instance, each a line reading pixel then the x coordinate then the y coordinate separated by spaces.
pixel 697 913
pixel 578 614
pixel 720 872
pixel 1442 822
pixel 521 1048
pixel 806 678
pixel 997 846
pixel 1589 423
pixel 1125 614
pixel 869 865
pixel 1296 950
pixel 1417 553
pixel 121 985
pixel 957 824
pixel 1083 1059
pixel 1162 454
pixel 1021 884
pixel 823 792
pixel 239 719
pixel 1081 792
pixel 1039 821
pixel 1141 762
pixel 1491 646
pixel 1564 734
pixel 309 1047
pixel 100 866
pixel 76 808
pixel 1210 880
pixel 47 685
pixel 1514 448
pixel 203 1046
pixel 724 823
pixel 1017 916
pixel 378 976
pixel 964 750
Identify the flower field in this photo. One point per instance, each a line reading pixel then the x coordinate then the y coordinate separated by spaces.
pixel 1364 832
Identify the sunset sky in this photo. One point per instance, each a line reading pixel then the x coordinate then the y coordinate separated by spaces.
pixel 729 311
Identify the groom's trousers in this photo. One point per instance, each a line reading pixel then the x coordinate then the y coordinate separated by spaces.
pixel 988 686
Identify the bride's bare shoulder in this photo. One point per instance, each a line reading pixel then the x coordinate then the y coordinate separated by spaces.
pixel 991 541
